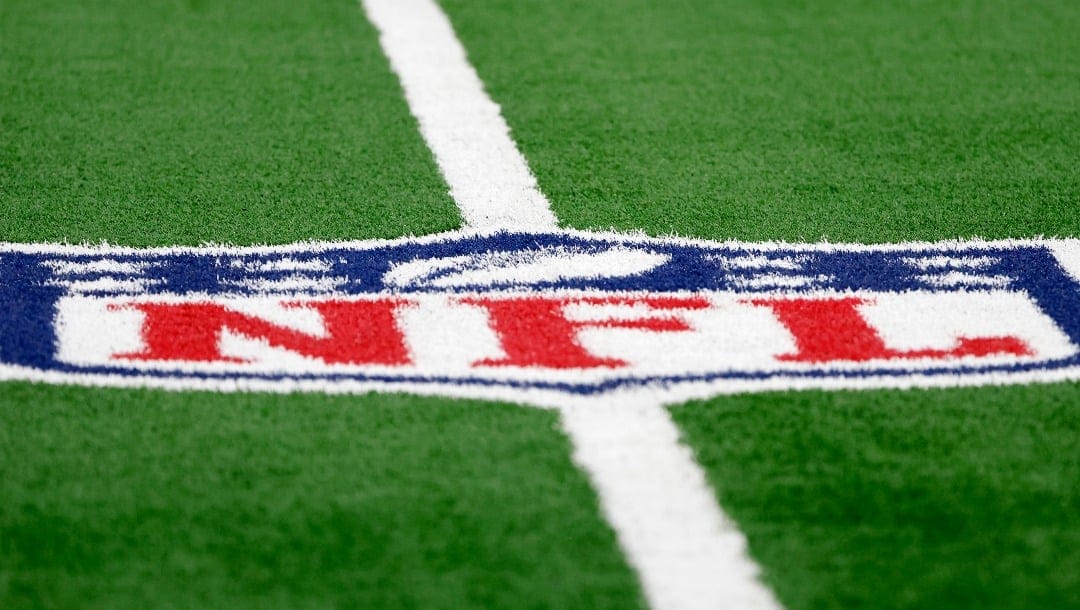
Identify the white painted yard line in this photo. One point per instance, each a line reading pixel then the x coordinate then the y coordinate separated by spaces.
pixel 488 177
pixel 687 553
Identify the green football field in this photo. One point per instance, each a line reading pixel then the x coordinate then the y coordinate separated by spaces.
pixel 168 122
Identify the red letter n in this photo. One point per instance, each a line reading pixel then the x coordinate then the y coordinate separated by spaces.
pixel 357 332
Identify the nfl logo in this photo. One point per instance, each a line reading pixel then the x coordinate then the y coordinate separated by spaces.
pixel 514 315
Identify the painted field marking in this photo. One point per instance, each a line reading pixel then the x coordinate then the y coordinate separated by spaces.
pixel 488 177
pixel 687 553
pixel 1067 252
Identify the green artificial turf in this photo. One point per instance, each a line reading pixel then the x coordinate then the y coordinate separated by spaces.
pixel 962 498
pixel 146 499
pixel 159 123
pixel 855 120
pixel 155 122
pixel 170 122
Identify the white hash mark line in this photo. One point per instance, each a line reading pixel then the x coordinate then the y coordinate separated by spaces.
pixel 687 553
pixel 488 177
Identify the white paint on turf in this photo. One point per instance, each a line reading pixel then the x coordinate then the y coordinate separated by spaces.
pixel 1067 252
pixel 495 268
pixel 687 554
pixel 488 177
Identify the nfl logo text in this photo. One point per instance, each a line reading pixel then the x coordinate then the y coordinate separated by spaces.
pixel 566 312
